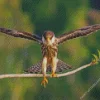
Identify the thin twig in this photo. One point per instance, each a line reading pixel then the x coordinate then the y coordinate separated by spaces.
pixel 48 75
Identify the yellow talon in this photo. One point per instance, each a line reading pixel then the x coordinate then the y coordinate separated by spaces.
pixel 44 82
pixel 53 74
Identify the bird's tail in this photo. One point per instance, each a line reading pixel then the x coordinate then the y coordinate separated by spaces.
pixel 61 66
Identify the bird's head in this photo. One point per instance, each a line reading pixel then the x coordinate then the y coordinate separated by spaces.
pixel 48 37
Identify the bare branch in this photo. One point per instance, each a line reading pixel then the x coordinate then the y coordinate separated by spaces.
pixel 48 75
pixel 94 61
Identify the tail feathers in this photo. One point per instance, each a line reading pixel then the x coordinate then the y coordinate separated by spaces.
pixel 61 66
pixel 35 68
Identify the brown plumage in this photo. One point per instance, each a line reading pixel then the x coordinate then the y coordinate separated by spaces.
pixel 79 32
pixel 21 34
pixel 61 66
pixel 49 46
pixel 49 51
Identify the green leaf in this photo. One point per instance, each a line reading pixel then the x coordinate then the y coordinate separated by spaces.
pixel 95 56
pixel 98 53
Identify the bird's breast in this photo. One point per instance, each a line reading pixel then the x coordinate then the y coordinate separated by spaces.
pixel 49 50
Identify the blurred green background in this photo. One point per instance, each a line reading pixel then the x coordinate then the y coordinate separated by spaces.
pixel 17 54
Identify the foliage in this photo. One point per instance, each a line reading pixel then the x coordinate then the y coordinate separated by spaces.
pixel 18 54
pixel 96 57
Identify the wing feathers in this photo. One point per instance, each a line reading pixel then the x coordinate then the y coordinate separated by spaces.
pixel 79 32
pixel 16 33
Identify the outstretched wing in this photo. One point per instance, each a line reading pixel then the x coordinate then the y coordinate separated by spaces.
pixel 79 32
pixel 20 34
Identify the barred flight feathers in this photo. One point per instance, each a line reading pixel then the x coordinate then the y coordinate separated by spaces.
pixel 77 33
pixel 16 33
pixel 61 66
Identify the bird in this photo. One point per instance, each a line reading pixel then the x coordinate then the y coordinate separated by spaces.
pixel 49 46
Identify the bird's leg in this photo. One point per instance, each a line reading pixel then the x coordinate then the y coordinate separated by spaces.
pixel 53 74
pixel 44 81
pixel 44 67
pixel 54 66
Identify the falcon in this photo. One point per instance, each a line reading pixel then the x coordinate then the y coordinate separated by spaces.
pixel 49 46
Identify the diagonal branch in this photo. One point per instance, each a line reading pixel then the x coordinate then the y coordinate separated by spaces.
pixel 93 62
pixel 48 75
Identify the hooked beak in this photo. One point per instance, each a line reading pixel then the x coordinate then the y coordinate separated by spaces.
pixel 48 39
